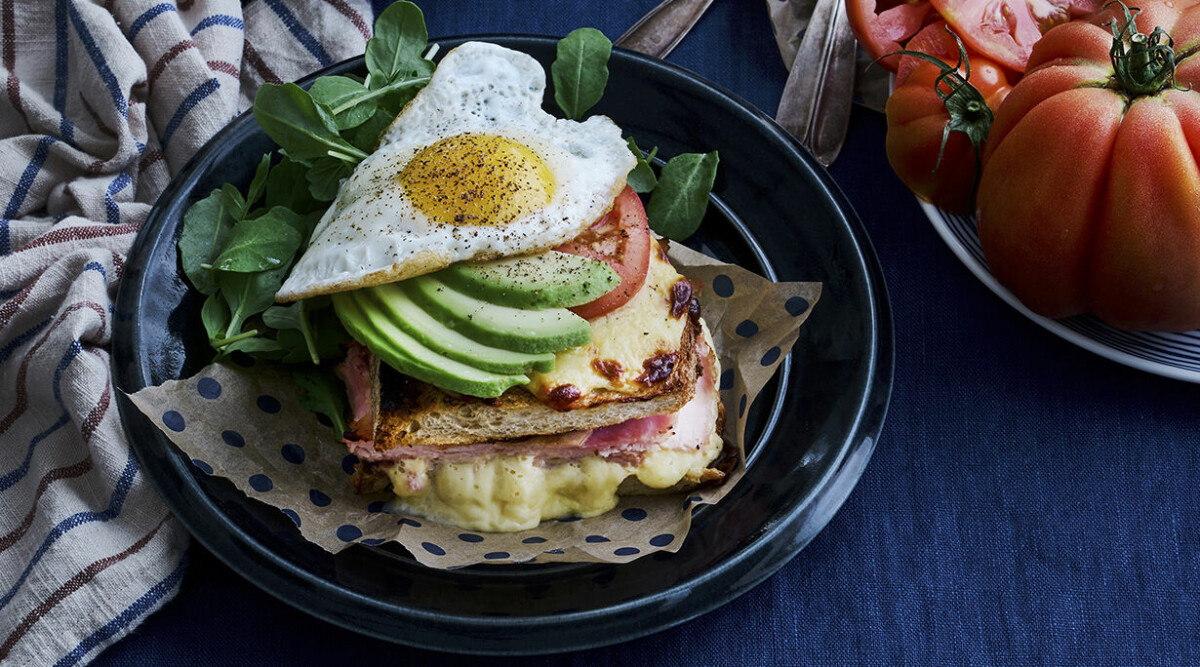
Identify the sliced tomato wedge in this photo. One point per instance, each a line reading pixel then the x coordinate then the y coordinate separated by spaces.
pixel 1006 30
pixel 882 26
pixel 620 237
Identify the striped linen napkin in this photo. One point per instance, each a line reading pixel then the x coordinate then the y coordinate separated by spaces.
pixel 103 102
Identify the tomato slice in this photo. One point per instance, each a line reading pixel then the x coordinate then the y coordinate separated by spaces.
pixel 881 26
pixel 620 237
pixel 1006 30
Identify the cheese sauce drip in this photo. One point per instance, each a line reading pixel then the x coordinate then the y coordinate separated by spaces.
pixel 477 179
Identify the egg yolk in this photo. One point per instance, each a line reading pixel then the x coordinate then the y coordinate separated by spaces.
pixel 477 179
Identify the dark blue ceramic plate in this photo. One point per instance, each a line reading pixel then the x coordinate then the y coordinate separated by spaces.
pixel 811 431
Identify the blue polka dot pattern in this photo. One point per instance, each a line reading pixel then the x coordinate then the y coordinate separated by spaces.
pixel 375 507
pixel 174 421
pixel 633 514
pixel 662 540
pixel 208 388
pixel 372 541
pixel 722 286
pixel 268 404
pixel 727 379
pixel 261 483
pixel 626 551
pixel 291 514
pixel 292 453
pixel 233 438
pixel 553 551
pixel 569 519
pixel 742 406
pixel 533 540
pixel 348 533
pixel 204 467
pixel 433 548
pixel 695 499
pixel 496 555
pixel 770 357
pixel 746 328
pixel 348 462
pixel 319 499
pixel 470 537
pixel 796 305
pixel 408 522
pixel 596 539
pixel 324 420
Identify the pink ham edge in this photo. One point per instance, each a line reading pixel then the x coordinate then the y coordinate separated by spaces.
pixel 686 429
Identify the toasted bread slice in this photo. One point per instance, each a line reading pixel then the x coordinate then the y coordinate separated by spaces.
pixel 411 413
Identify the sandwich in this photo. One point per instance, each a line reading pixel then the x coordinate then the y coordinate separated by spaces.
pixel 523 348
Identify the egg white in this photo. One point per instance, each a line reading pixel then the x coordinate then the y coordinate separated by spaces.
pixel 374 234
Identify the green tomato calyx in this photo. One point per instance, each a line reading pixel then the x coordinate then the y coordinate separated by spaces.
pixel 1143 65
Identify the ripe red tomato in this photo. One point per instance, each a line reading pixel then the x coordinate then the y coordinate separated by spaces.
pixel 622 238
pixel 943 174
pixel 1090 187
pixel 1006 30
pixel 882 26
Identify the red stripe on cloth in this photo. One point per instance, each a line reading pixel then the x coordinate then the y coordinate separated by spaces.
pixel 104 129
pixel 22 401
pixel 66 472
pixel 166 58
pixel 185 5
pixel 73 584
pixel 10 307
pixel 82 233
pixel 153 155
pixel 355 17
pixel 88 427
pixel 118 265
pixel 251 56
pixel 224 68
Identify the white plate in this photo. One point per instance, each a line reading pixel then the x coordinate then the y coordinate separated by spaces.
pixel 1173 355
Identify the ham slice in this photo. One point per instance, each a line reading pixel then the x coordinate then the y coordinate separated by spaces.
pixel 686 429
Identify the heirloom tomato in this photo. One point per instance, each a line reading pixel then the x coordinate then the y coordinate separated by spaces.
pixel 881 26
pixel 1006 30
pixel 1090 193
pixel 939 115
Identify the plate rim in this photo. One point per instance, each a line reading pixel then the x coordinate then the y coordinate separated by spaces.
pixel 843 473
pixel 938 220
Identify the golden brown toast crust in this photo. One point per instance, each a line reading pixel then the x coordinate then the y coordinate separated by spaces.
pixel 416 413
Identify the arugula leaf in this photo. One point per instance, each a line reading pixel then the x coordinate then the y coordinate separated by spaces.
pixel 325 177
pixel 215 317
pixel 293 317
pixel 366 136
pixel 324 394
pixel 340 92
pixel 249 294
pixel 259 244
pixel 641 178
pixel 400 37
pixel 259 184
pixel 677 205
pixel 257 346
pixel 305 129
pixel 206 224
pixel 580 70
pixel 282 191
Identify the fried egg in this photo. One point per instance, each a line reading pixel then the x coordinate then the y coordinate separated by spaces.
pixel 471 169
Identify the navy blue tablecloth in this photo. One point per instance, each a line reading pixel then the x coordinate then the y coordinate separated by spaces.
pixel 1028 501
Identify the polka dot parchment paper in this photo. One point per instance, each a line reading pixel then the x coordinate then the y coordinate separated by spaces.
pixel 245 424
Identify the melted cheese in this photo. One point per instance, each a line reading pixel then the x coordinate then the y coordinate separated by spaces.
pixel 510 493
pixel 623 338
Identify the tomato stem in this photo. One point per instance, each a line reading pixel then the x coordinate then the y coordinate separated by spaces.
pixel 1148 65
pixel 968 110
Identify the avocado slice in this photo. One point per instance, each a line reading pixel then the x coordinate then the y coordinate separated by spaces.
pixel 402 352
pixel 529 331
pixel 393 303
pixel 534 282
